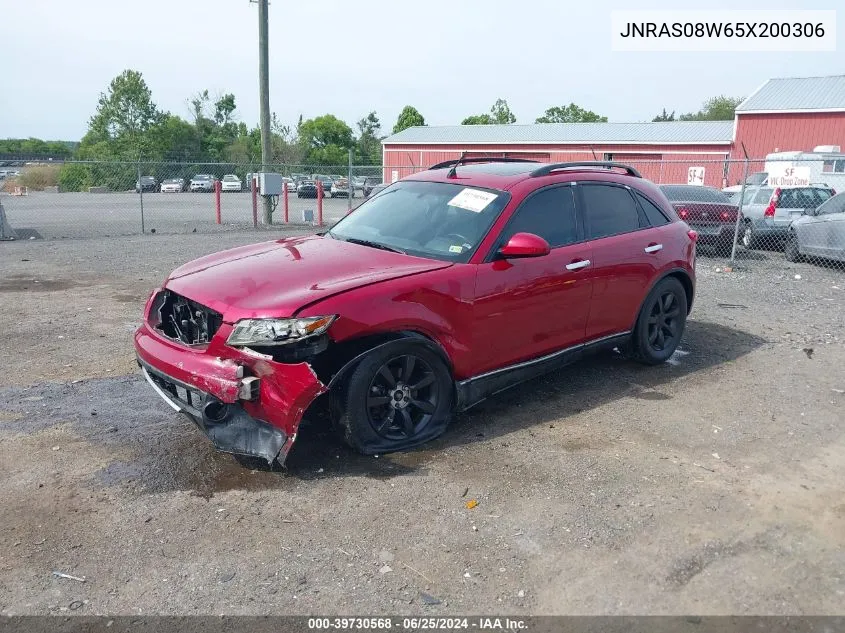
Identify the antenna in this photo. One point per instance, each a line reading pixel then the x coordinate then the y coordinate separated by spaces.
pixel 453 171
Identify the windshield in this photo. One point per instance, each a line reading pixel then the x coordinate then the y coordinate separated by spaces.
pixel 682 193
pixel 230 178
pixel 429 219
pixel 202 177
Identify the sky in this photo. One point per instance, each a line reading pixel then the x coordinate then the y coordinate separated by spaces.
pixel 449 59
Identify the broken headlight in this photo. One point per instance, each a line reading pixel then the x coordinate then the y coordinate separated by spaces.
pixel 277 331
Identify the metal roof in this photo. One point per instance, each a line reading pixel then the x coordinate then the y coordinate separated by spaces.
pixel 797 93
pixel 676 132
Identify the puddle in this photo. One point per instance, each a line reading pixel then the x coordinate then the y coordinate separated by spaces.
pixel 675 359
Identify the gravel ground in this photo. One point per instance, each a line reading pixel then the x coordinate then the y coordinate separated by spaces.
pixel 74 215
pixel 710 485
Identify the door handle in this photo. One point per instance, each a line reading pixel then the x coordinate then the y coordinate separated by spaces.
pixel 653 248
pixel 578 265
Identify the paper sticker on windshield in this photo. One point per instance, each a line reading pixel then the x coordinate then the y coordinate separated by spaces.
pixel 456 249
pixel 473 200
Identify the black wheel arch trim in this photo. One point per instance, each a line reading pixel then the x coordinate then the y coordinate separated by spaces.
pixel 382 341
pixel 686 281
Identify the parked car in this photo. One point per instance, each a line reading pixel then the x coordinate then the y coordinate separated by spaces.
pixel 340 188
pixel 423 301
pixel 203 182
pixel 146 183
pixel 818 232
pixel 369 183
pixel 173 185
pixel 358 183
pixel 377 189
pixel 230 182
pixel 770 212
pixel 306 189
pixel 708 211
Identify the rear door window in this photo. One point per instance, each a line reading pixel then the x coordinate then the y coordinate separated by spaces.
pixel 764 194
pixel 609 210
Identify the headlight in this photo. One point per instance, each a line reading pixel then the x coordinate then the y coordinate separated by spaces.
pixel 277 331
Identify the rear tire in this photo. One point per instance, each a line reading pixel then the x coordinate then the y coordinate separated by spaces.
pixel 395 399
pixel 660 324
pixel 749 236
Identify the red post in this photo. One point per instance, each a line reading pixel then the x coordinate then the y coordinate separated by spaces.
pixel 285 187
pixel 254 202
pixel 217 188
pixel 319 202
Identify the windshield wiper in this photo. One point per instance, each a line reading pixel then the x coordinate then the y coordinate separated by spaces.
pixel 383 247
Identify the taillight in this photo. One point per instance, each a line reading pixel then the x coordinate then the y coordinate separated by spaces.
pixel 773 201
pixel 692 235
pixel 725 215
pixel 683 213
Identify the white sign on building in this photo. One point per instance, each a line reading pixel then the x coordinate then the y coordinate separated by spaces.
pixel 695 176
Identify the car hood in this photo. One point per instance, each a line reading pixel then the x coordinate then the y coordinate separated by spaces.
pixel 277 279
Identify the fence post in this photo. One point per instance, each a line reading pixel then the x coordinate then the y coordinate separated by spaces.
pixel 319 202
pixel 741 201
pixel 217 188
pixel 141 194
pixel 285 192
pixel 254 189
pixel 351 186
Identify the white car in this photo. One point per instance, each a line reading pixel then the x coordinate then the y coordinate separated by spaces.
pixel 173 185
pixel 231 182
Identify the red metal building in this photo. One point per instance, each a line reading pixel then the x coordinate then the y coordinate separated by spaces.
pixel 781 115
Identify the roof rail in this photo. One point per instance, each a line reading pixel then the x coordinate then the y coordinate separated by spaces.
pixel 545 170
pixel 480 159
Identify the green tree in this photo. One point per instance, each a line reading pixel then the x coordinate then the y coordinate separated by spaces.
pixel 369 139
pixel 326 130
pixel 500 113
pixel 74 177
pixel 123 119
pixel 570 114
pixel 664 116
pixel 176 139
pixel 223 109
pixel 409 117
pixel 719 108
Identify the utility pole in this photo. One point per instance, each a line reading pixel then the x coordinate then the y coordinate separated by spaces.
pixel 264 99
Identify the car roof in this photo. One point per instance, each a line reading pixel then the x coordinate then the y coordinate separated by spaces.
pixel 505 175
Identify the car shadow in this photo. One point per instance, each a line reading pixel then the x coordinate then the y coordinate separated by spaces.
pixel 596 381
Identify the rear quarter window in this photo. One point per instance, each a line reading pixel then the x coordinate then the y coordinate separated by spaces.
pixel 655 216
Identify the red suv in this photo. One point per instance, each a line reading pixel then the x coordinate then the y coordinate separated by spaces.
pixel 442 289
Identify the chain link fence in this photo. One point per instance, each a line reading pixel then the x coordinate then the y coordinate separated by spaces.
pixel 784 207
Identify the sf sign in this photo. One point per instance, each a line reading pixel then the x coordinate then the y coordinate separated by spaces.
pixel 788 176
pixel 695 176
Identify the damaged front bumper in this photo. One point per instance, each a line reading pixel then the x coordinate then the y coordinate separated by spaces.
pixel 246 404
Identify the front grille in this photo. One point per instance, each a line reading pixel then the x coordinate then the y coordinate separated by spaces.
pixel 190 399
pixel 184 320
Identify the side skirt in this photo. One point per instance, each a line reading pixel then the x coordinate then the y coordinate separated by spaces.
pixel 474 390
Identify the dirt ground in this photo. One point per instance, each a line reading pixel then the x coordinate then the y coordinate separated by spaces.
pixel 710 485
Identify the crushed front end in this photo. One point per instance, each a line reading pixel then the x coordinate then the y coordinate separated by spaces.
pixel 246 401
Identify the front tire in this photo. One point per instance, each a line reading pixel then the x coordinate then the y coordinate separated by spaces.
pixel 396 398
pixel 791 251
pixel 661 323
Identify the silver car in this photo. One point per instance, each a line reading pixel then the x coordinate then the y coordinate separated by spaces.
pixel 819 232
pixel 771 210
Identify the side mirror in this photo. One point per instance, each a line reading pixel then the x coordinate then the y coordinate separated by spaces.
pixel 525 245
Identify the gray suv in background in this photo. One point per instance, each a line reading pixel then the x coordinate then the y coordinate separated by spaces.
pixel 769 212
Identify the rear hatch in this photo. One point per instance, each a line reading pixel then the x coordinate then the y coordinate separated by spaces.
pixel 787 204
